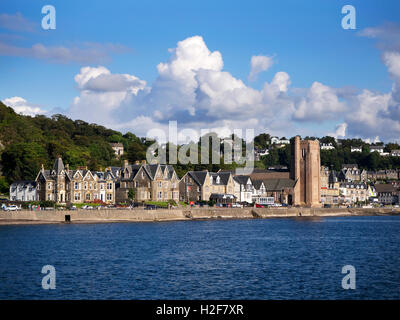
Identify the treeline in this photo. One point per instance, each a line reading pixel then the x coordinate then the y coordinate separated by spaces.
pixel 27 142
pixel 334 159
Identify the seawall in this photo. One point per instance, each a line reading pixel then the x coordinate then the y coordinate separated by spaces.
pixel 139 215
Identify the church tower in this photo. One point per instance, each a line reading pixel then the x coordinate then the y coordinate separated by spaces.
pixel 305 170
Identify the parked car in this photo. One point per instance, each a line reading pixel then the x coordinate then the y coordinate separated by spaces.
pixel 12 207
pixel 259 205
pixel 236 205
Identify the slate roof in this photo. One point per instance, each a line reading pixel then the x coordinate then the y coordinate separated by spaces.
pixel 241 179
pixel 223 176
pixel 23 184
pixel 384 187
pixel 198 176
pixel 277 184
pixel 58 165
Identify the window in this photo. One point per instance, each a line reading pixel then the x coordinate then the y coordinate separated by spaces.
pixel 109 186
pixel 49 186
pixel 76 185
pixel 109 196
pixel 85 186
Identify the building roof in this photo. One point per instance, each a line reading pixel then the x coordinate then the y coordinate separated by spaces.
pixel 242 179
pixel 198 176
pixel 23 183
pixel 349 166
pixel 222 196
pixel 58 165
pixel 223 176
pixel 384 187
pixel 278 184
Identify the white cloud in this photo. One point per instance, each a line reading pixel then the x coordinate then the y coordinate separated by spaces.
pixel 340 131
pixel 21 106
pixel 193 89
pixel 320 103
pixel 259 64
pixel 392 61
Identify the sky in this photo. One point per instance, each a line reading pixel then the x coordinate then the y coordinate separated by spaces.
pixel 280 67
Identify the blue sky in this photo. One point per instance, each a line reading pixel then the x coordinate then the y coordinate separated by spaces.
pixel 304 39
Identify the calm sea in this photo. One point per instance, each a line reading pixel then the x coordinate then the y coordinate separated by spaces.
pixel 235 259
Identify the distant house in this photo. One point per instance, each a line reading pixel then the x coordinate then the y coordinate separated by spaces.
pixel 378 149
pixel 258 153
pixel 351 192
pixel 395 153
pixel 195 186
pixel 118 149
pixel 386 193
pixel 356 149
pixel 243 188
pixel 23 191
pixel 276 140
pixel 350 172
pixel 221 182
pixel 280 189
pixel 327 146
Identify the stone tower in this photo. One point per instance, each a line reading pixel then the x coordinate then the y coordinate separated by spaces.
pixel 305 170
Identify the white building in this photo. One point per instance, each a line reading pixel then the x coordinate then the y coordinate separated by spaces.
pixel 395 153
pixel 23 191
pixel 356 149
pixel 327 146
pixel 378 149
pixel 276 140
pixel 243 188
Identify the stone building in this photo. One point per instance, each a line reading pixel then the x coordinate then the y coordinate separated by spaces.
pixel 386 193
pixel 65 186
pixel 200 185
pixel 353 192
pixel 195 186
pixel 305 171
pixel 350 172
pixel 153 182
pixel 330 191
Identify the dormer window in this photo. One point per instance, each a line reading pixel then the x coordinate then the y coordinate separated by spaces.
pixel 211 180
pixel 218 180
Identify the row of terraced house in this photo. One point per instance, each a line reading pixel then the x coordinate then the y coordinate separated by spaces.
pixel 147 182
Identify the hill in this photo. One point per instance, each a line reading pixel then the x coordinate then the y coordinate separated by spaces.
pixel 27 142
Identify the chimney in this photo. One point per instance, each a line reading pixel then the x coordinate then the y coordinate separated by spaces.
pixel 143 162
pixel 67 167
pixel 42 168
pixel 125 164
pixel 137 162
